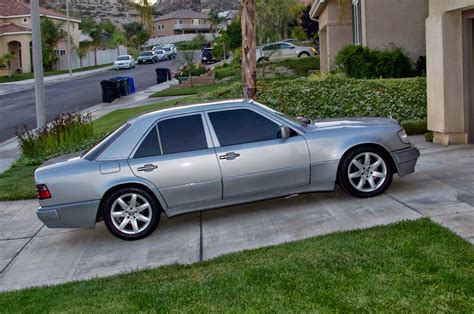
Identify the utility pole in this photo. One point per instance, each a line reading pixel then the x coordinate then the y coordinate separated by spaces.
pixel 68 43
pixel 38 65
pixel 249 45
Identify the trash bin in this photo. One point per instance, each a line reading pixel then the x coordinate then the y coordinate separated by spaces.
pixel 130 81
pixel 110 90
pixel 124 89
pixel 162 75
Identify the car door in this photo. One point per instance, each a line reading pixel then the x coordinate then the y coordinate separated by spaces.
pixel 178 158
pixel 287 51
pixel 252 155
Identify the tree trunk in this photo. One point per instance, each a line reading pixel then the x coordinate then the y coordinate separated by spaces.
pixel 95 55
pixel 249 42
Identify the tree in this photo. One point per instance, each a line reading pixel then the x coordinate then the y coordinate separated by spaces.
pixel 136 34
pixel 309 26
pixel 82 50
pixel 145 9
pixel 249 44
pixel 6 61
pixel 274 18
pixel 215 20
pixel 92 28
pixel 51 34
pixel 234 33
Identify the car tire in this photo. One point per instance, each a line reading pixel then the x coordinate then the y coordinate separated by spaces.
pixel 365 172
pixel 304 54
pixel 129 220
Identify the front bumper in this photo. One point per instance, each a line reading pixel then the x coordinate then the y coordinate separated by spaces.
pixel 122 66
pixel 73 215
pixel 405 160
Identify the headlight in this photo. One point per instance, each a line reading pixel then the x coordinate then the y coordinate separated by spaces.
pixel 314 50
pixel 402 134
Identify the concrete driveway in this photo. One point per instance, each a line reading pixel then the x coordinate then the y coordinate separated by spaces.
pixel 32 255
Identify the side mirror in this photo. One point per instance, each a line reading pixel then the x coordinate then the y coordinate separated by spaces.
pixel 285 132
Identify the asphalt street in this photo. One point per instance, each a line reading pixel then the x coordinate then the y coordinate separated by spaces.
pixel 18 109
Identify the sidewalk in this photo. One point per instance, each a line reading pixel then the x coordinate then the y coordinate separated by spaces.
pixel 9 151
pixel 13 87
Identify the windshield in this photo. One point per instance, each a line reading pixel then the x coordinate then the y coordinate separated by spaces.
pixel 121 58
pixel 160 52
pixel 292 121
pixel 146 53
pixel 167 49
pixel 94 152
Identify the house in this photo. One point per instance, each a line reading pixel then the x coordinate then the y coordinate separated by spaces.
pixel 15 32
pixel 181 22
pixel 376 24
pixel 450 70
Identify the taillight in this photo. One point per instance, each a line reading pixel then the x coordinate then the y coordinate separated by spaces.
pixel 42 192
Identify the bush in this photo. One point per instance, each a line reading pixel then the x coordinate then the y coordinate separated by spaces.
pixel 420 67
pixel 133 52
pixel 66 133
pixel 361 62
pixel 335 96
pixel 227 70
pixel 193 69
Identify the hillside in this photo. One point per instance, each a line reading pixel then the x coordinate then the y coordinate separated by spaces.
pixel 166 6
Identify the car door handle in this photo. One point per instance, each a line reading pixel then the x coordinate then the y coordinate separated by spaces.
pixel 229 156
pixel 147 168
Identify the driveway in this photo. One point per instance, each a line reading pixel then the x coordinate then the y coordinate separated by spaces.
pixel 32 255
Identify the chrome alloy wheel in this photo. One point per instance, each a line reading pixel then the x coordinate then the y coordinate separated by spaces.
pixel 367 172
pixel 131 213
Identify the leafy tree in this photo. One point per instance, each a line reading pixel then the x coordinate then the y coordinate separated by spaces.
pixel 6 61
pixel 93 29
pixel 51 34
pixel 215 20
pixel 145 9
pixel 309 26
pixel 82 50
pixel 136 34
pixel 234 33
pixel 299 33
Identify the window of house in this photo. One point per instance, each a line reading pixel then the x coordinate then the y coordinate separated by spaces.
pixel 25 20
pixel 241 126
pixel 162 26
pixel 357 22
pixel 182 134
pixel 195 21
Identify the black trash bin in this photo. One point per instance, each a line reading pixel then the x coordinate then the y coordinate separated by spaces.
pixel 162 75
pixel 124 87
pixel 110 90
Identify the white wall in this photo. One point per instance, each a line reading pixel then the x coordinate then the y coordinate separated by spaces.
pixel 103 57
pixel 176 38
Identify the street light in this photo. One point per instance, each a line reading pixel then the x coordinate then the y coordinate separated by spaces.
pixel 38 64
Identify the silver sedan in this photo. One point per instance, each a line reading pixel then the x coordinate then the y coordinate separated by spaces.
pixel 192 158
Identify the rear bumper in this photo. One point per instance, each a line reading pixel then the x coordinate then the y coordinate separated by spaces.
pixel 73 215
pixel 405 160
pixel 122 66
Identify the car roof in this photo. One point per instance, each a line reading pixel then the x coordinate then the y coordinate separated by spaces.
pixel 190 108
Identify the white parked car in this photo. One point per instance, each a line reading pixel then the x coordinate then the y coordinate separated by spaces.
pixel 282 51
pixel 161 54
pixel 124 62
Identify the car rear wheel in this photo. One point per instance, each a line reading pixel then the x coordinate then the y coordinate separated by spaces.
pixel 365 172
pixel 131 214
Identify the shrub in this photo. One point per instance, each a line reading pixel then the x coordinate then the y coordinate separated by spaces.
pixel 133 52
pixel 66 133
pixel 227 70
pixel 335 96
pixel 420 66
pixel 361 62
pixel 193 69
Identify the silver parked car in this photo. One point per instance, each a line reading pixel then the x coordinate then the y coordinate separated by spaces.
pixel 191 158
pixel 282 51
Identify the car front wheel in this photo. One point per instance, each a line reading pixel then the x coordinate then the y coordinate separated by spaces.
pixel 131 214
pixel 365 172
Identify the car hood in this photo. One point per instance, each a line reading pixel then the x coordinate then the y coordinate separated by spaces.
pixel 353 122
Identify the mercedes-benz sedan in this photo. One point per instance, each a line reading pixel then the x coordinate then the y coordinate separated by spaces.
pixel 192 158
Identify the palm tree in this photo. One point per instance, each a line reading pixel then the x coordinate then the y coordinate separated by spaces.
pixel 215 20
pixel 145 9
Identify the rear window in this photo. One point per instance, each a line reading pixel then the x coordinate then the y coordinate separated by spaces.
pixel 146 53
pixel 106 141
pixel 123 58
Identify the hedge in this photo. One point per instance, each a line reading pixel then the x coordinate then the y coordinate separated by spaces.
pixel 336 96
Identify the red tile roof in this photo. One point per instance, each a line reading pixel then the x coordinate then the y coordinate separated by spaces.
pixel 12 28
pixel 20 7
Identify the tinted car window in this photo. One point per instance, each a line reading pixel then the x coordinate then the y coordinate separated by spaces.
pixel 150 146
pixel 182 134
pixel 207 53
pixel 146 53
pixel 242 126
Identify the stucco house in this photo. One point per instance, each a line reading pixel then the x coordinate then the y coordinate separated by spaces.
pixel 181 22
pixel 15 32
pixel 376 24
pixel 450 70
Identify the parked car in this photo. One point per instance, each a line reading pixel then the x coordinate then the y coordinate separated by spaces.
pixel 191 158
pixel 124 62
pixel 169 52
pixel 161 54
pixel 147 57
pixel 208 57
pixel 282 51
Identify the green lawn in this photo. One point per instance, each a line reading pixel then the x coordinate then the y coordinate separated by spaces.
pixel 413 266
pixel 26 76
pixel 182 91
pixel 18 182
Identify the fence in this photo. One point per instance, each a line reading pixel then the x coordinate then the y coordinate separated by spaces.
pixel 176 38
pixel 103 57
